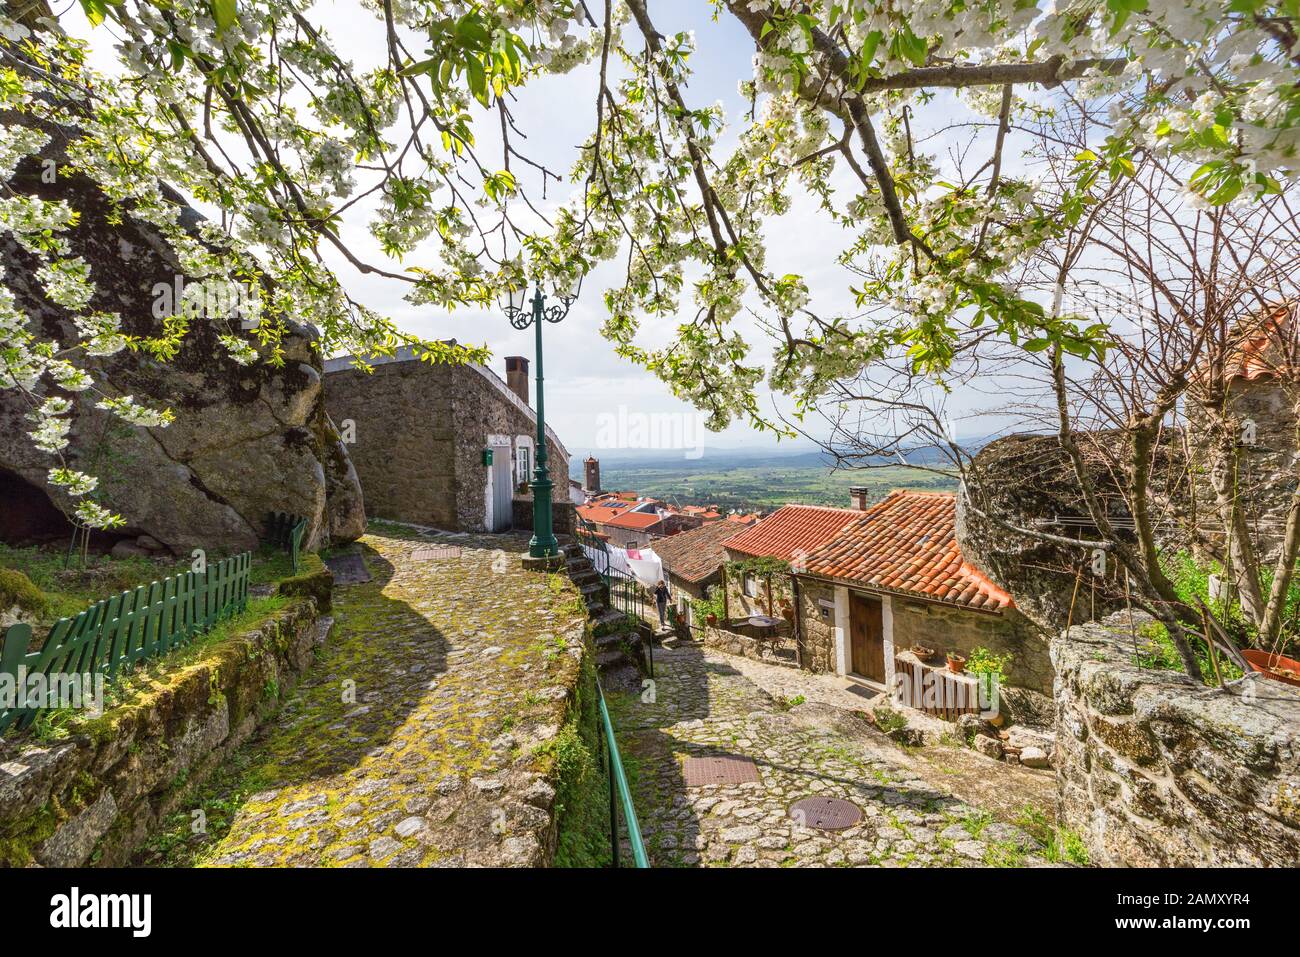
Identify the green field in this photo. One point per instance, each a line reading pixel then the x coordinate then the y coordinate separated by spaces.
pixel 767 486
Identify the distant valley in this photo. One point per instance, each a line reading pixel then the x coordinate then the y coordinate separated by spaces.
pixel 748 479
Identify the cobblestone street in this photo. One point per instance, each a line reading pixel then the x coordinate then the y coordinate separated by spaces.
pixel 417 737
pixel 707 703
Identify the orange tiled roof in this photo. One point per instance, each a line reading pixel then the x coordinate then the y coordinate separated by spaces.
pixel 695 555
pixel 791 529
pixel 907 543
pixel 634 520
pixel 1269 349
pixel 617 514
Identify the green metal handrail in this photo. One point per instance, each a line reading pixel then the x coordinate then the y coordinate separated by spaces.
pixel 618 781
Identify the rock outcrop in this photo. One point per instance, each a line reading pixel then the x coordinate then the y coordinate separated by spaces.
pixel 246 441
pixel 1155 769
pixel 1025 484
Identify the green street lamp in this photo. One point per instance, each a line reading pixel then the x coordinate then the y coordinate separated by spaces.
pixel 543 549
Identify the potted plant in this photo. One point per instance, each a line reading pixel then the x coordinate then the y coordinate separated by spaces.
pixel 956 662
pixel 1275 666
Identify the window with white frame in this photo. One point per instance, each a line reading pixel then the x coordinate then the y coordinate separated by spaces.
pixel 523 462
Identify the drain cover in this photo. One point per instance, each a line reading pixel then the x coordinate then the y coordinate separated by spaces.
pixel 348 569
pixel 829 814
pixel 718 770
pixel 433 554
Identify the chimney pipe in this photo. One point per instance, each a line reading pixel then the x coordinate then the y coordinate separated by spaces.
pixel 858 496
pixel 517 376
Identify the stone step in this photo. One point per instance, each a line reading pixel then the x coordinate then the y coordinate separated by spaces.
pixel 608 621
pixel 611 658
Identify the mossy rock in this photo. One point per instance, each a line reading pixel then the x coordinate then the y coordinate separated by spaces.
pixel 18 594
pixel 313 580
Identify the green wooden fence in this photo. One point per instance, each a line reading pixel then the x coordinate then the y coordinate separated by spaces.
pixel 115 634
pixel 287 531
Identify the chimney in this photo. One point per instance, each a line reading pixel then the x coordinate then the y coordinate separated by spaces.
pixel 858 497
pixel 517 376
pixel 592 473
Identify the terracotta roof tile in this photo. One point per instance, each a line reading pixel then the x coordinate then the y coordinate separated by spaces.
pixel 617 515
pixel 695 555
pixel 907 543
pixel 1269 348
pixel 791 529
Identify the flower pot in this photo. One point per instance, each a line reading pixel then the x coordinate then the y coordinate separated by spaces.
pixel 1277 667
pixel 956 663
pixel 711 619
pixel 923 652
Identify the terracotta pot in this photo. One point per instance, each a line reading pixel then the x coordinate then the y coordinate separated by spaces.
pixel 711 619
pixel 956 664
pixel 1277 667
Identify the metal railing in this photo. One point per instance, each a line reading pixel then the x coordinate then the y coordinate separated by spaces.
pixel 619 793
pixel 626 594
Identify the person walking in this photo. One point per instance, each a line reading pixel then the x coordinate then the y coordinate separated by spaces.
pixel 661 602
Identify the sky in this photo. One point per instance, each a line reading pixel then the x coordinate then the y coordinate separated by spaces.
pixel 587 384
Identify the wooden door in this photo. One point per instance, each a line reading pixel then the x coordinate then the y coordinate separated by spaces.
pixel 502 489
pixel 866 637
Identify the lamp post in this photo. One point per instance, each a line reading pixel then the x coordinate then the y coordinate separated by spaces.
pixel 543 549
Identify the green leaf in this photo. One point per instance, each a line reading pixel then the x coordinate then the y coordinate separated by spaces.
pixel 223 11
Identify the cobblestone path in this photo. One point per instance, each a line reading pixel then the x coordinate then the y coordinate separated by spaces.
pixel 706 703
pixel 419 735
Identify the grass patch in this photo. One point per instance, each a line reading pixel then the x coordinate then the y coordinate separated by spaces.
pixel 1061 845
pixel 582 790
pixel 66 592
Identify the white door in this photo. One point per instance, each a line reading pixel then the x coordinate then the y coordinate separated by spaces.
pixel 502 490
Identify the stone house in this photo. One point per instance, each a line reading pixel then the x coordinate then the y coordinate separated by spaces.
pixel 693 562
pixel 1261 397
pixel 895 577
pixel 450 446
pixel 785 536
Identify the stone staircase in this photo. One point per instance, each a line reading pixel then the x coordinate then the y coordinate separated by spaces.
pixel 620 645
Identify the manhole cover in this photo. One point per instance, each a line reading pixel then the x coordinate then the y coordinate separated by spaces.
pixel 348 569
pixel 829 814
pixel 433 554
pixel 718 770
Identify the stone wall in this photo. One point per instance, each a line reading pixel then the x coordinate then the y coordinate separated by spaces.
pixel 817 632
pixel 95 797
pixel 744 646
pixel 1266 472
pixel 946 628
pixel 419 434
pixel 563 516
pixel 773 592
pixel 1154 769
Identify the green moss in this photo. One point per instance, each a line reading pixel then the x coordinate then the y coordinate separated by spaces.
pixel 17 590
pixel 582 791
pixel 19 840
pixel 313 581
